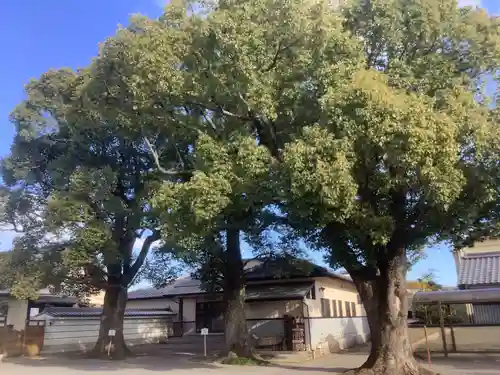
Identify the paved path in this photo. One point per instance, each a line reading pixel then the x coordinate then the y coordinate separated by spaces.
pixel 180 365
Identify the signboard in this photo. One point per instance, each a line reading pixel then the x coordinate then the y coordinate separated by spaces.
pixel 112 332
pixel 204 331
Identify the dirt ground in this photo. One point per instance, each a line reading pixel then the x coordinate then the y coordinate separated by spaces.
pixel 181 363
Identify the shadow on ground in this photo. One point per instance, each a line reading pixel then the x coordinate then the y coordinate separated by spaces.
pixel 313 368
pixel 150 360
pixel 335 362
pixel 464 361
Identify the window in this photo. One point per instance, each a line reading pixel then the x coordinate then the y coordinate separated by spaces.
pixel 341 313
pixel 325 308
pixel 4 309
pixel 353 309
pixel 334 306
pixel 348 309
pixel 312 293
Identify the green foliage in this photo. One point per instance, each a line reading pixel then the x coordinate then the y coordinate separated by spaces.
pixel 408 145
pixel 361 132
pixel 78 186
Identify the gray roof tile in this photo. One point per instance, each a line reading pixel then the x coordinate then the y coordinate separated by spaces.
pixel 480 269
pixel 75 312
pixel 277 291
pixel 182 286
pixel 44 295
pixel 271 270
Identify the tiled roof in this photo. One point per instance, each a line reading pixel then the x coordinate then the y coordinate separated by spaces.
pixel 256 270
pixel 479 269
pixel 44 295
pixel 287 268
pixel 95 312
pixel 277 291
pixel 182 286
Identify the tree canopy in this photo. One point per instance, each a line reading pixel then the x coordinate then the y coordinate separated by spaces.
pixel 367 132
pixel 79 189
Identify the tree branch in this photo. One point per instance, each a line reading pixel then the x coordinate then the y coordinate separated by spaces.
pixel 279 50
pixel 129 276
pixel 221 110
pixel 170 172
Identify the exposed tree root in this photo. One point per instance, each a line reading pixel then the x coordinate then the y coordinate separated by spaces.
pixel 103 350
pixel 250 357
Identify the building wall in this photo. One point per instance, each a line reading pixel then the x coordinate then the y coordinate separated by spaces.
pixel 189 309
pixel 323 333
pixel 468 339
pixel 333 290
pixel 486 313
pixel 97 300
pixel 273 309
pixel 330 335
pixel 17 313
pixel 487 246
pixel 70 334
pixel 153 304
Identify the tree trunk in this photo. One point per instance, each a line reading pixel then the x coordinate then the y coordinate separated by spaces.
pixel 109 346
pixel 235 329
pixel 367 290
pixel 386 305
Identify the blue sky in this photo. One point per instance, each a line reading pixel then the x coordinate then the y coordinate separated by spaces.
pixel 40 35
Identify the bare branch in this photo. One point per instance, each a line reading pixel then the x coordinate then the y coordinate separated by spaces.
pixel 171 172
pixel 142 256
pixel 220 109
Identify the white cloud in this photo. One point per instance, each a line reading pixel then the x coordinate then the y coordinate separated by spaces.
pixel 469 3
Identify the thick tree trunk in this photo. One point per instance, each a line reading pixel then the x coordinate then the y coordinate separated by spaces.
pixel 235 329
pixel 109 346
pixel 367 290
pixel 385 302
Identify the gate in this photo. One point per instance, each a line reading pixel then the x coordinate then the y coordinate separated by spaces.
pixel 11 342
pixel 34 335
pixel 177 329
pixel 295 334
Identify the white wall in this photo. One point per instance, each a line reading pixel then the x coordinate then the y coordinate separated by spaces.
pixel 272 309
pixel 69 334
pixel 338 290
pixel 153 304
pixel 189 310
pixel 330 335
pixel 17 314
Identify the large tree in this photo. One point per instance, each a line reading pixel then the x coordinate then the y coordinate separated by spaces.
pixel 376 132
pixel 78 188
pixel 207 218
pixel 376 120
